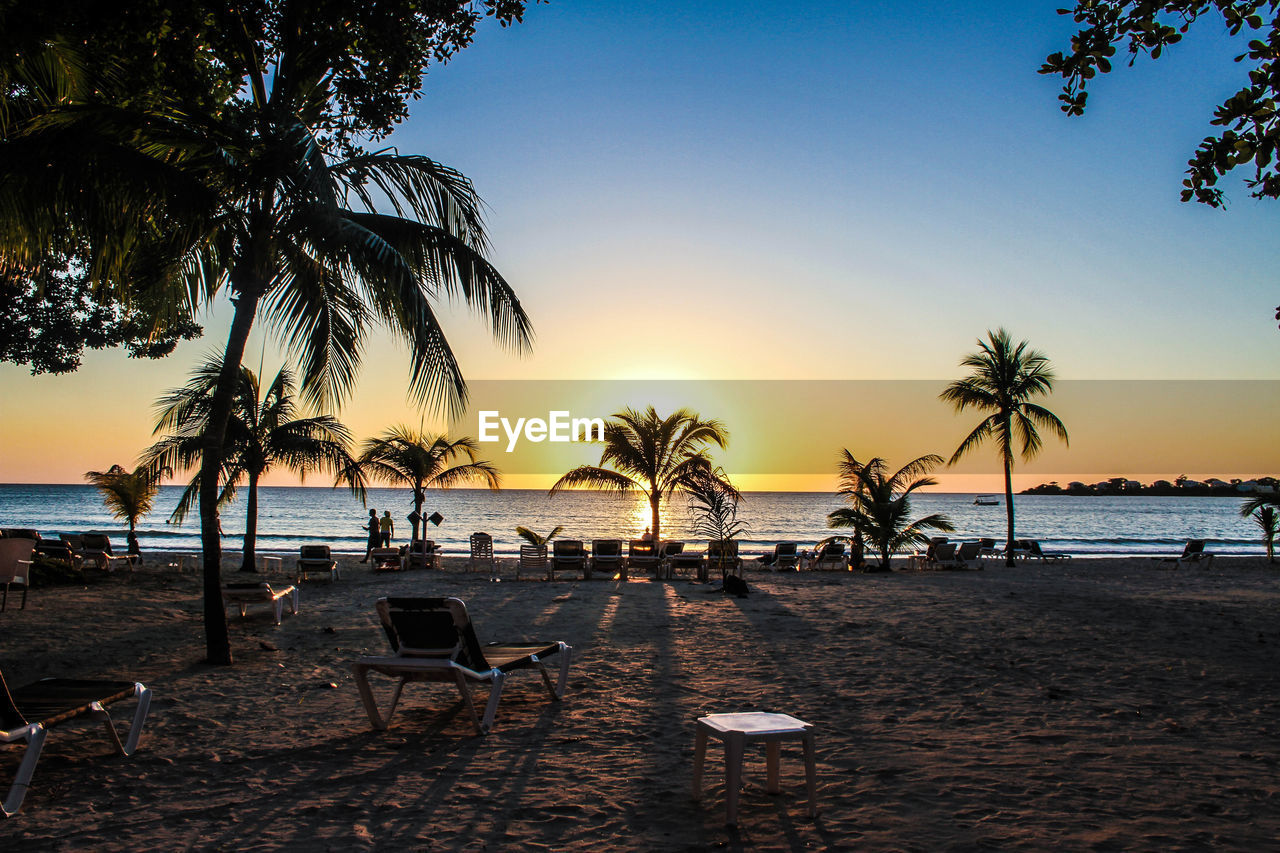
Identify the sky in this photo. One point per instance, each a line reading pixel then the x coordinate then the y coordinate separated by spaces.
pixel 765 192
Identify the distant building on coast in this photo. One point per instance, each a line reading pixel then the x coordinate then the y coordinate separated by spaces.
pixel 1182 487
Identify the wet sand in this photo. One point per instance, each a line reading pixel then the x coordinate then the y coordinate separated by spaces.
pixel 1102 704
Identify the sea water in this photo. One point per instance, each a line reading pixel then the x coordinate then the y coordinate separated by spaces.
pixel 289 517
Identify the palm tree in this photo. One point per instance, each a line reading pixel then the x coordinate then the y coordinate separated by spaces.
pixel 1003 380
pixel 128 494
pixel 1263 510
pixel 653 455
pixel 880 506
pixel 403 455
pixel 264 430
pixel 258 189
pixel 534 538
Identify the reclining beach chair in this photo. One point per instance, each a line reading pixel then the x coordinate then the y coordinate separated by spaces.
pixel 829 556
pixel 1032 547
pixel 722 554
pixel 642 554
pixel 567 554
pixel 482 553
pixel 423 554
pixel 244 594
pixel 316 560
pixel 15 566
pixel 783 558
pixel 667 552
pixel 385 560
pixel 29 712
pixel 945 557
pixel 433 639
pixel 1193 552
pixel 687 563
pixel 606 556
pixel 533 560
pixel 97 547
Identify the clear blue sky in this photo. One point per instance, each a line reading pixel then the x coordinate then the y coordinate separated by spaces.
pixel 777 190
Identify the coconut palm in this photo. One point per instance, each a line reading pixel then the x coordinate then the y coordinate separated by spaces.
pixel 403 455
pixel 264 431
pixel 650 454
pixel 128 494
pixel 880 505
pixel 258 190
pixel 1264 512
pixel 1003 380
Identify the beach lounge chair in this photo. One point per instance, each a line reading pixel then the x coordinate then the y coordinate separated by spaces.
pixel 1033 552
pixel 422 554
pixel 567 554
pixel 829 556
pixel 667 550
pixel 316 560
pixel 784 557
pixel 1193 552
pixel 244 594
pixel 722 554
pixel 680 561
pixel 27 714
pixel 533 560
pixel 15 566
pixel 385 560
pixel 97 547
pixel 988 548
pixel 482 553
pixel 433 639
pixel 642 554
pixel 606 556
pixel 945 556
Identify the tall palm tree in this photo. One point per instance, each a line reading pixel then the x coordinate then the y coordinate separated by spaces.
pixel 403 455
pixel 1265 512
pixel 880 505
pixel 650 454
pixel 260 191
pixel 264 430
pixel 128 494
pixel 1004 378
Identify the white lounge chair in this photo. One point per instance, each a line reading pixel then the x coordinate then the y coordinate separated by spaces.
pixel 1193 552
pixel 244 594
pixel 642 554
pixel 567 554
pixel 316 560
pixel 606 556
pixel 26 714
pixel 533 560
pixel 433 639
pixel 482 553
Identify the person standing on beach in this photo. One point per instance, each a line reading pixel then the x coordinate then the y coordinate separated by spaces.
pixel 387 528
pixel 375 534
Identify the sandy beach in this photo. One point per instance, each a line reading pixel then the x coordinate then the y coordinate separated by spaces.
pixel 1105 704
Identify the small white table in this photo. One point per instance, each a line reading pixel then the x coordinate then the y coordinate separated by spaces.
pixel 268 561
pixel 738 730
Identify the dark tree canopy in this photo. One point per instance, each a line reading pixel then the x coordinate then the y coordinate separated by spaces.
pixel 1250 126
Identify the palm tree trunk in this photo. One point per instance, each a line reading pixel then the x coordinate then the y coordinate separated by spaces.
pixel 217 641
pixel 419 498
pixel 655 508
pixel 250 563
pixel 1008 509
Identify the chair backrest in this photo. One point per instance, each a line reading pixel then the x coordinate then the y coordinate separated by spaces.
pixel 720 548
pixel 1194 547
pixel 432 628
pixel 481 545
pixel 567 547
pixel 970 550
pixel 74 541
pixel 784 549
pixel 831 551
pixel 670 549
pixel 986 543
pixel 422 546
pixel 314 552
pixel 97 542
pixel 640 548
pixel 11 551
pixel 533 555
pixel 944 552
pixel 10 717
pixel 606 548
pixel 20 533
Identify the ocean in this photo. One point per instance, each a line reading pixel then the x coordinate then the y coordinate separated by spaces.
pixel 293 516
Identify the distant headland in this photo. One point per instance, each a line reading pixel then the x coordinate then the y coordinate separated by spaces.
pixel 1179 487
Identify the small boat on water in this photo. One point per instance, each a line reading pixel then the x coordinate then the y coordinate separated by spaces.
pixel 986 500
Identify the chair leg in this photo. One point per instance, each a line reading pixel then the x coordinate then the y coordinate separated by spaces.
pixel 491 709
pixel 34 735
pixel 376 719
pixel 278 606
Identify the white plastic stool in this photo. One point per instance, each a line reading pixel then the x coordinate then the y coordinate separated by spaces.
pixel 738 730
